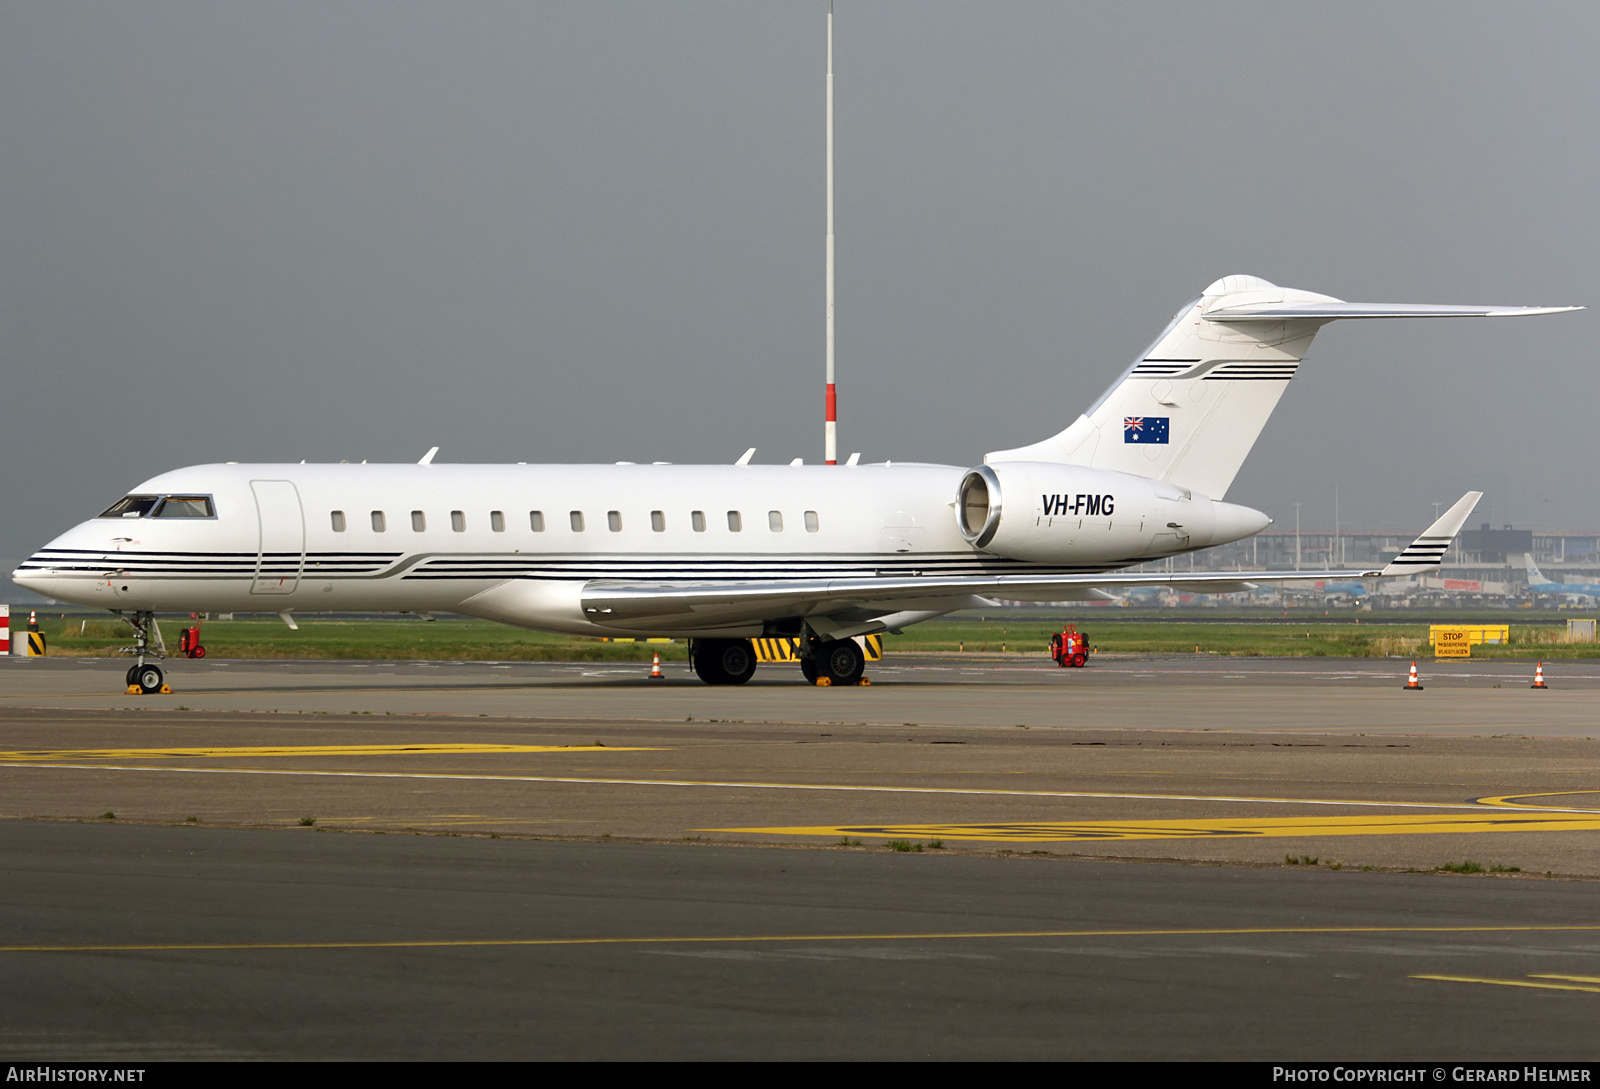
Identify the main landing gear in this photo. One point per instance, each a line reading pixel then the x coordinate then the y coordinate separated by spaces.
pixel 145 677
pixel 723 661
pixel 837 661
pixel 823 662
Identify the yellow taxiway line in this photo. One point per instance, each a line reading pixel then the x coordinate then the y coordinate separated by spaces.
pixel 1532 981
pixel 731 939
pixel 300 750
pixel 751 785
pixel 1218 828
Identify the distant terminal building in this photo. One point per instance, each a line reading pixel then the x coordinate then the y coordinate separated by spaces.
pixel 1492 546
pixel 1492 557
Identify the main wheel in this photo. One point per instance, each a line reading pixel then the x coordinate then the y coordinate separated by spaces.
pixel 724 661
pixel 133 674
pixel 148 678
pixel 808 669
pixel 842 661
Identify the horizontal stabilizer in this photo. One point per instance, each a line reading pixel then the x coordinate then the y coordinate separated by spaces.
pixel 1331 311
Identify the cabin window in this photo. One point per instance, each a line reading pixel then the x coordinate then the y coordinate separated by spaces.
pixel 697 519
pixel 377 521
pixel 536 520
pixel 775 521
pixel 812 524
pixel 458 521
pixel 185 506
pixel 337 517
pixel 577 521
pixel 497 521
pixel 614 520
pixel 658 521
pixel 419 521
pixel 735 523
pixel 131 506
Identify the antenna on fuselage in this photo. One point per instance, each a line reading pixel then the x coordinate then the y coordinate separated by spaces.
pixel 830 438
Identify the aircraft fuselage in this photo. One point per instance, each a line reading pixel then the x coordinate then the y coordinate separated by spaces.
pixel 517 543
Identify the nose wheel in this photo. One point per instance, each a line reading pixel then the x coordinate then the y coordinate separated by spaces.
pixel 145 678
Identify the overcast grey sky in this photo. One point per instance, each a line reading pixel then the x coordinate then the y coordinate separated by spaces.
pixel 593 232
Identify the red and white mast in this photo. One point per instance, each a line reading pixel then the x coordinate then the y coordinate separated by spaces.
pixel 830 437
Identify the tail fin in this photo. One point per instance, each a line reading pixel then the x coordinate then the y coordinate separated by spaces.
pixel 1535 576
pixel 1426 553
pixel 1191 407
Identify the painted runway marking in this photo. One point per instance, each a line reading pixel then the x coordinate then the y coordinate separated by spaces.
pixel 302 750
pixel 731 939
pixel 734 785
pixel 1531 981
pixel 1515 801
pixel 1225 828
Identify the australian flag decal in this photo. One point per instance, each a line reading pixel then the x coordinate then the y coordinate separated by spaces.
pixel 1145 429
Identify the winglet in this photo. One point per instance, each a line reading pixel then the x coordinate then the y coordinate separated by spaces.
pixel 1426 553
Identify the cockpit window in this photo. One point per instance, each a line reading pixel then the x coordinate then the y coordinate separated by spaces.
pixel 161 506
pixel 131 506
pixel 185 506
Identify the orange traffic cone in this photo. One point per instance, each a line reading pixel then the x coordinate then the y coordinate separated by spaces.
pixel 1412 685
pixel 655 668
pixel 33 620
pixel 1538 678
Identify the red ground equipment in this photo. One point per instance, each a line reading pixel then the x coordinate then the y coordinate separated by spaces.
pixel 1070 647
pixel 189 640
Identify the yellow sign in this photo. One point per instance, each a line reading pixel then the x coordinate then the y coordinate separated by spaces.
pixel 1475 633
pixel 1451 643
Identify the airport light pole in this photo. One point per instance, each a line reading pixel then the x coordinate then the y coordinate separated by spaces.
pixel 1297 536
pixel 1338 544
pixel 830 425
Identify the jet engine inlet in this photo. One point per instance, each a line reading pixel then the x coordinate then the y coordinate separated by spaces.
pixel 978 506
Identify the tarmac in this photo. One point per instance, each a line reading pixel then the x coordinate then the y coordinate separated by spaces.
pixel 233 827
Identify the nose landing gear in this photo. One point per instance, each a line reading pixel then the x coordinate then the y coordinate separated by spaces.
pixel 145 678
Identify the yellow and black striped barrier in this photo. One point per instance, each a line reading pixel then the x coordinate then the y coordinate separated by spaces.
pixel 36 644
pixel 788 649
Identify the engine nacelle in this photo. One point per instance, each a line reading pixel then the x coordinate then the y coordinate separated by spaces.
pixel 1045 512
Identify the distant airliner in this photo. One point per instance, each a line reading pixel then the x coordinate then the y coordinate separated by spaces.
pixel 722 554
pixel 1541 585
pixel 1345 589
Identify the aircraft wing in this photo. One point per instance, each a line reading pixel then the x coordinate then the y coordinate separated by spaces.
pixel 624 602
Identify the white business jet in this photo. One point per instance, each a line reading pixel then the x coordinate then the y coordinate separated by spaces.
pixel 722 554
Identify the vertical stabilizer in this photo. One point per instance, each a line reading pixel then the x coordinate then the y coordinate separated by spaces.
pixel 1190 408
